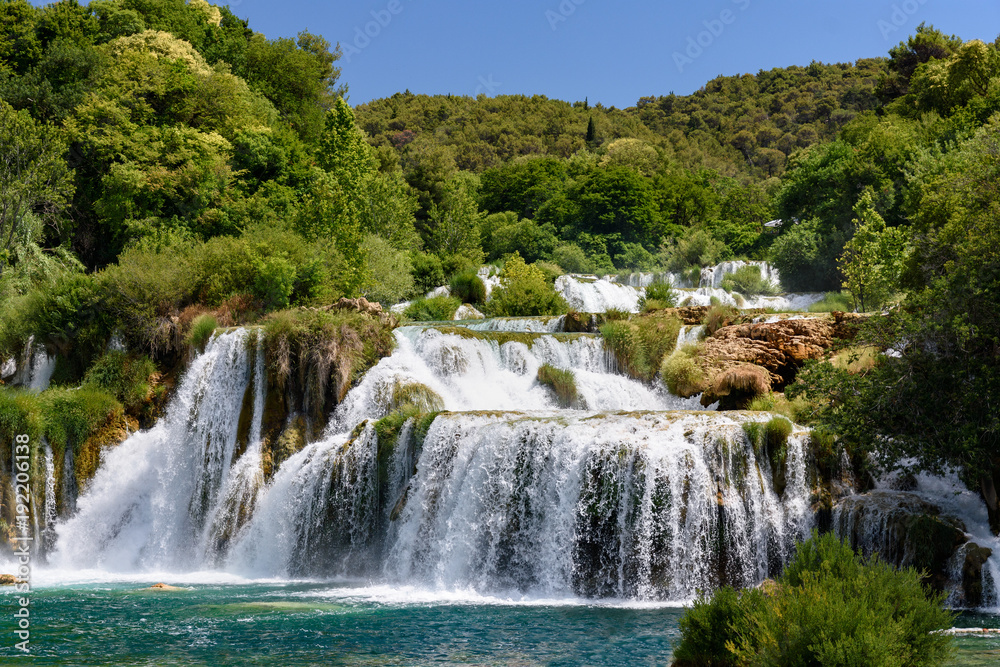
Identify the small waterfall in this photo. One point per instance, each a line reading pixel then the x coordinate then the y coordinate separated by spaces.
pixel 521 324
pixel 478 373
pixel 148 505
pixel 49 514
pixel 590 294
pixel 689 335
pixel 714 275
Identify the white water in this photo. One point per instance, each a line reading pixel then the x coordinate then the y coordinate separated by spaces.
pixel 689 335
pixel 522 324
pixel 147 506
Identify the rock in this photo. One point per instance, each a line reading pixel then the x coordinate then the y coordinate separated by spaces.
pixel 903 529
pixel 359 305
pixel 575 322
pixel 7 580
pixel 468 312
pixel 972 574
pixel 690 315
pixel 163 587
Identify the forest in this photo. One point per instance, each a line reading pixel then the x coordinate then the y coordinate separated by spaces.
pixel 161 162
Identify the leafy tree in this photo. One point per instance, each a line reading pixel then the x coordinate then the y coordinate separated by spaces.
pixel 455 222
pixel 872 259
pixel 34 179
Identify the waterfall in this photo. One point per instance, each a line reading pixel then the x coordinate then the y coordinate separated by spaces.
pixel 651 506
pixel 590 294
pixel 689 335
pixel 149 503
pixel 47 536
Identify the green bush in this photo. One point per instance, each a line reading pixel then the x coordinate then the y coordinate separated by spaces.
pixel 833 301
pixel 748 281
pixel 524 292
pixel 562 382
pixel 434 309
pixel 829 607
pixel 697 249
pixel 571 257
pixel 202 329
pixel 73 415
pixel 125 376
pixel 659 293
pixel 640 344
pixel 468 287
pixel 428 274
pixel 682 374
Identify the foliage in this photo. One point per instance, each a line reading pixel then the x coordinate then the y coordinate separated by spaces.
pixel 524 292
pixel 202 329
pixel 438 308
pixel 562 382
pixel 641 343
pixel 872 259
pixel 718 317
pixel 829 607
pixel 660 294
pixel 833 302
pixel 468 287
pixel 748 281
pixel 127 377
pixel 389 274
pixel 681 373
pixel 698 248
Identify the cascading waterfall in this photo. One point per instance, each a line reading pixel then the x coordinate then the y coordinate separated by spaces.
pixel 653 506
pixel 148 504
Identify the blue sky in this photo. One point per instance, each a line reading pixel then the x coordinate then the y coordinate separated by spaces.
pixel 609 52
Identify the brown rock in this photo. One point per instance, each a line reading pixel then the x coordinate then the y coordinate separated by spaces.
pixel 163 587
pixel 7 580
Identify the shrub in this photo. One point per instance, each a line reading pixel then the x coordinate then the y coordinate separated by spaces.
pixel 524 292
pixel 572 258
pixel 829 607
pixel 434 309
pixel 468 287
pixel 549 270
pixel 833 302
pixel 682 374
pixel 125 376
pixel 73 415
pixel 562 382
pixel 698 248
pixel 641 343
pixel 659 293
pixel 428 273
pixel 719 316
pixel 748 281
pixel 201 331
pixel 389 279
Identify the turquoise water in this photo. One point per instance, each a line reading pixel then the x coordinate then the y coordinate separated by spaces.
pixel 313 623
pixel 342 624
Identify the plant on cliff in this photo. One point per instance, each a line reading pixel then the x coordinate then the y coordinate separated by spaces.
pixel 125 376
pixel 657 296
pixel 748 281
pixel 829 607
pixel 641 343
pixel 681 372
pixel 562 382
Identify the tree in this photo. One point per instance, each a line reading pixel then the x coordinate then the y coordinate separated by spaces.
pixel 455 222
pixel 873 258
pixel 34 178
pixel 524 292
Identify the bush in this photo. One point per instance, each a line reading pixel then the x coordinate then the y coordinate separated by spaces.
pixel 390 273
pixel 125 376
pixel 428 273
pixel 659 293
pixel 682 374
pixel 434 309
pixel 641 343
pixel 748 281
pixel 201 331
pixel 562 382
pixel 468 287
pixel 719 316
pixel 697 249
pixel 833 302
pixel 524 292
pixel 829 607
pixel 572 258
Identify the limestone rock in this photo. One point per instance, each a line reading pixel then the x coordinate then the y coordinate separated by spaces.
pixel 7 580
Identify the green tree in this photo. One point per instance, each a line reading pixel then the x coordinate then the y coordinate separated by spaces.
pixel 455 221
pixel 35 182
pixel 873 258
pixel 524 292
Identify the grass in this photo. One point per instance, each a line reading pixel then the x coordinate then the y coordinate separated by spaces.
pixel 658 296
pixel 834 302
pixel 856 359
pixel 776 402
pixel 682 374
pixel 719 316
pixel 434 309
pixel 748 281
pixel 562 382
pixel 641 343
pixel 201 331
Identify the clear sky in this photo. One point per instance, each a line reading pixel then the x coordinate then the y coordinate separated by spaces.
pixel 613 52
pixel 610 52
